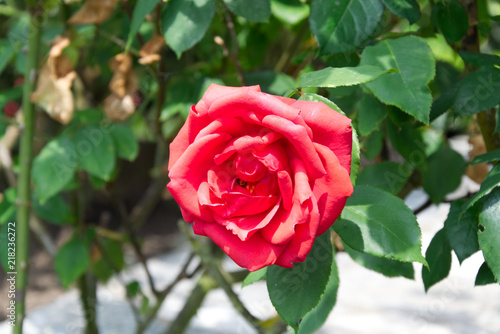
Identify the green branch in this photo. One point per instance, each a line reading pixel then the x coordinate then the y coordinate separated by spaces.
pixel 25 161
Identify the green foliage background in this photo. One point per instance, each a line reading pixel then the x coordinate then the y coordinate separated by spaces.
pixel 410 74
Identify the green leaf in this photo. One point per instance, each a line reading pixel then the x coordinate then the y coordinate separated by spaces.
pixel 478 91
pixel 96 151
pixel 486 157
pixel 185 22
pixel 443 103
pixel 317 316
pixel 408 141
pixel 8 206
pixel 4 248
pixel 355 159
pixel 258 11
pixel 296 291
pixel 484 276
pixel 9 95
pixel 380 224
pixel 133 288
pixel 254 276
pixel 407 88
pixel 491 181
pixel 344 25
pixel 443 173
pixel 386 267
pixel 332 77
pixel 438 256
pixel 108 260
pixel 125 142
pixel 408 9
pixel 452 20
pixel 461 229
pixel 289 11
pixel 54 167
pixel 371 113
pixel 387 175
pixel 141 9
pixel 71 261
pixel 271 82
pixel 478 59
pixel 489 232
pixel 497 128
pixel 6 52
pixel 372 145
pixel 55 210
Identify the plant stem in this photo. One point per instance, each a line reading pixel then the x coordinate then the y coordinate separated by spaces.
pixel 223 279
pixel 486 118
pixel 162 295
pixel 25 160
pixel 203 286
pixel 88 296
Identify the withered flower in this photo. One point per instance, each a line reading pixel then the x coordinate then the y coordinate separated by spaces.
pixel 53 91
pixel 93 12
pixel 120 104
pixel 150 52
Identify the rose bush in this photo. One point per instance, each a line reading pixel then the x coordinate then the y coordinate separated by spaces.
pixel 261 175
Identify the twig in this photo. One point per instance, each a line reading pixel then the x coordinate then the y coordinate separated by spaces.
pixel 283 63
pixel 234 52
pixel 203 286
pixel 117 272
pixel 25 161
pixel 164 293
pixel 135 243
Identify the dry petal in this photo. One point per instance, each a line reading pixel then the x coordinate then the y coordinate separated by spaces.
pixel 123 81
pixel 93 12
pixel 119 109
pixel 53 91
pixel 150 52
pixel 120 104
pixel 54 95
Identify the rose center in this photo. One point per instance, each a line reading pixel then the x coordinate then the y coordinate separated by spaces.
pixel 250 186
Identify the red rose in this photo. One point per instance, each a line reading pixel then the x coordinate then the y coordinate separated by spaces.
pixel 261 175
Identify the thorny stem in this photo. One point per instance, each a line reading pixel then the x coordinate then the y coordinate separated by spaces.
pixel 25 161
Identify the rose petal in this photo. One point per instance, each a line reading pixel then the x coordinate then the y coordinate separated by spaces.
pixel 281 228
pixel 245 227
pixel 248 168
pixel 215 92
pixel 331 190
pixel 301 244
pixel 185 181
pixel 330 128
pixel 286 188
pixel 237 204
pixel 253 254
pixel 298 138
